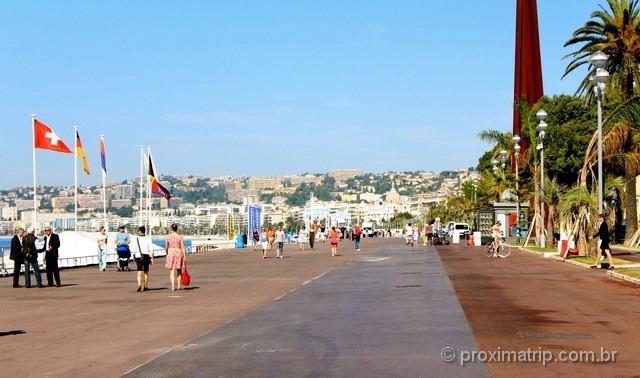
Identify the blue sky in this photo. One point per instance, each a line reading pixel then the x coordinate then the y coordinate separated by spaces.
pixel 265 87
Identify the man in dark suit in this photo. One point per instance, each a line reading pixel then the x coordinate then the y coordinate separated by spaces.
pixel 51 246
pixel 17 256
pixel 30 252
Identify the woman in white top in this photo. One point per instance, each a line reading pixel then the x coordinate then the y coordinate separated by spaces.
pixel 302 237
pixel 408 234
pixel 143 254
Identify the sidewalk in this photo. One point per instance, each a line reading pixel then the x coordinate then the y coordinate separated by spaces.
pixel 389 312
pixel 524 301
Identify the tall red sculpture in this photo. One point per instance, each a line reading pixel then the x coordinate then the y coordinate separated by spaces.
pixel 528 69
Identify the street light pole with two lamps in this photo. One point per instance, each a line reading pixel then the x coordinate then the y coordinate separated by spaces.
pixel 542 127
pixel 516 148
pixel 599 81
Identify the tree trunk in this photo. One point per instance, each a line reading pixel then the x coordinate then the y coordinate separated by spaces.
pixel 630 207
pixel 536 212
pixel 550 223
pixel 583 243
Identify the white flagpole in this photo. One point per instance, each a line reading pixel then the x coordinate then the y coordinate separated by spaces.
pixel 33 146
pixel 140 213
pixel 75 178
pixel 149 161
pixel 104 189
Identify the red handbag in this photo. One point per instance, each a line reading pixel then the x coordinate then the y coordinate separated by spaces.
pixel 186 278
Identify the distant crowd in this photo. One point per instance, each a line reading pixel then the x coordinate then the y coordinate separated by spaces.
pixel 26 247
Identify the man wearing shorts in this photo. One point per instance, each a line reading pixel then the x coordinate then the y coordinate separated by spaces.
pixel 143 254
pixel 280 240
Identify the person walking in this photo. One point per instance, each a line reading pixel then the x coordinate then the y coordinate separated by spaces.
pixel 143 255
pixel 102 249
pixel 426 234
pixel 51 246
pixel 357 234
pixel 302 238
pixel 176 257
pixel 17 256
pixel 334 238
pixel 416 235
pixel 30 252
pixel 408 234
pixel 605 239
pixel 280 238
pixel 313 228
pixel 256 239
pixel 264 243
pixel 271 237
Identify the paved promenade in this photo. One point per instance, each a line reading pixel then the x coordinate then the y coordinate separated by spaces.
pixel 388 313
pixel 526 301
pixel 98 325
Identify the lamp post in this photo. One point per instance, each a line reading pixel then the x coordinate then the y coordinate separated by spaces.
pixel 542 126
pixel 599 80
pixel 516 148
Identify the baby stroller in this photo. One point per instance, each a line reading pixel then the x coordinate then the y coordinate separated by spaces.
pixel 124 254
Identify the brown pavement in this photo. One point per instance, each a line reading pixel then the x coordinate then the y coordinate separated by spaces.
pixel 525 301
pixel 98 325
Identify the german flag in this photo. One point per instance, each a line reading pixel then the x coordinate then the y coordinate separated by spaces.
pixel 156 187
pixel 81 155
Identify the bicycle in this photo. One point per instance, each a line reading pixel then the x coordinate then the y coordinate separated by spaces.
pixel 503 251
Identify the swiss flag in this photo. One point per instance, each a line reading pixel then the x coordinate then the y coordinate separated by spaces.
pixel 46 139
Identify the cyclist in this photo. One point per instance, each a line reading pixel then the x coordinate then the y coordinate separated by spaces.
pixel 496 234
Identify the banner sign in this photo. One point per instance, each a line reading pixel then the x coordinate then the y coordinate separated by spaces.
pixel 255 218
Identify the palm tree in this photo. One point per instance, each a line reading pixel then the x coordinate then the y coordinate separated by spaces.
pixel 551 195
pixel 578 207
pixel 616 32
pixel 621 152
pixel 500 140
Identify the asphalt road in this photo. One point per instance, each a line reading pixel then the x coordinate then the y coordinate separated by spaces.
pixel 528 302
pixel 388 313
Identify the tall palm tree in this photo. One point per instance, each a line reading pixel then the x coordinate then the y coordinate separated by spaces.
pixel 616 32
pixel 621 152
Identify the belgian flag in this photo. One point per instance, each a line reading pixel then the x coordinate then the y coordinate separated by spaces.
pixel 156 187
pixel 80 154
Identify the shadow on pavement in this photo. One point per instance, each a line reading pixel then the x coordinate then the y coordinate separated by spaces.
pixel 11 333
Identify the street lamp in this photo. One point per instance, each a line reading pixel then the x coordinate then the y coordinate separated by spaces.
pixel 599 81
pixel 542 127
pixel 516 148
pixel 494 163
pixel 503 158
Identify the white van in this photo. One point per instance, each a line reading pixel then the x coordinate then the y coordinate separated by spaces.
pixel 462 228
